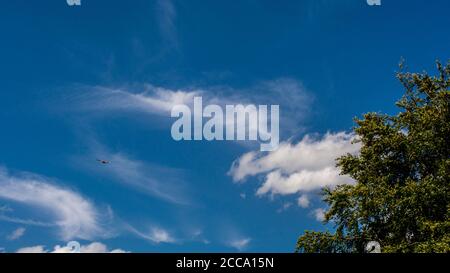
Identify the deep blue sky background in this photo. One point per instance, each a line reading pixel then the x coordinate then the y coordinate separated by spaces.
pixel 344 52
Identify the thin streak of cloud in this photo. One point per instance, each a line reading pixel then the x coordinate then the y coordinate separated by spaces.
pixel 100 101
pixel 29 222
pixel 149 99
pixel 166 18
pixel 16 234
pixel 155 235
pixel 162 182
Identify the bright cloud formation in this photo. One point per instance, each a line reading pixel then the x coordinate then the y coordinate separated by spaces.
pixel 297 168
pixel 289 93
pixel 95 247
pixel 75 216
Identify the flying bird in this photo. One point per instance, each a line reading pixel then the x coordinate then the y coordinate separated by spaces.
pixel 102 161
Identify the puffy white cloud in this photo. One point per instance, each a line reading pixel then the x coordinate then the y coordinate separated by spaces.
pixel 301 181
pixel 303 201
pixel 297 168
pixel 94 247
pixel 32 249
pixel 16 234
pixel 74 215
pixel 319 214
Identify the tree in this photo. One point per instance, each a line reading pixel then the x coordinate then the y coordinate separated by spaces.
pixel 401 194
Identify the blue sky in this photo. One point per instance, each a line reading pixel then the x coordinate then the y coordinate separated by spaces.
pixel 97 81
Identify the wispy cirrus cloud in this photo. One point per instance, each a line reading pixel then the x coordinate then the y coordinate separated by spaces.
pixel 5 208
pixel 290 94
pixel 144 98
pixel 166 15
pixel 16 234
pixel 162 182
pixel 23 221
pixel 74 215
pixel 231 235
pixel 154 234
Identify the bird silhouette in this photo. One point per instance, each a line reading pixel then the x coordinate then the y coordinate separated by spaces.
pixel 102 161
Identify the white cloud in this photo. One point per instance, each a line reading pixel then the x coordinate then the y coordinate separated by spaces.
pixel 319 214
pixel 197 236
pixel 303 201
pixel 285 207
pixel 301 181
pixel 160 236
pixel 166 16
pixel 75 216
pixel 293 97
pixel 32 249
pixel 16 234
pixel 95 247
pixel 240 244
pixel 21 221
pixel 289 94
pixel 297 168
pixel 156 180
pixel 156 235
pixel 150 99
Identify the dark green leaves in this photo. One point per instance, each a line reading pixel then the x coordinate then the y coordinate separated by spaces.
pixel 402 190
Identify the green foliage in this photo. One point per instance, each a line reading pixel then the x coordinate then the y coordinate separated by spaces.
pixel 401 194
